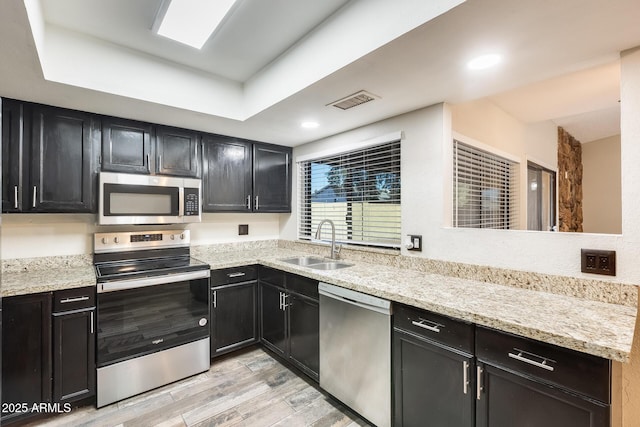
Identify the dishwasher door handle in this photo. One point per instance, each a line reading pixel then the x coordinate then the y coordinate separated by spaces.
pixel 351 301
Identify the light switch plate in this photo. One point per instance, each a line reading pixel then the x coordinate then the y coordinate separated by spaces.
pixel 243 229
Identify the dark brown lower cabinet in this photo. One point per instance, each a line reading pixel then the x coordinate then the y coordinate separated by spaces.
pixel 26 354
pixel 234 322
pixel 434 385
pixel 304 329
pixel 513 400
pixel 273 333
pixel 74 362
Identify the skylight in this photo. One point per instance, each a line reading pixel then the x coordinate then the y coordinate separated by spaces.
pixel 191 22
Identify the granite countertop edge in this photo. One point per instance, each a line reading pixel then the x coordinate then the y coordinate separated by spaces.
pixel 597 328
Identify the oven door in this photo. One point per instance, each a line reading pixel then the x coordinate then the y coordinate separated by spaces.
pixel 140 199
pixel 138 317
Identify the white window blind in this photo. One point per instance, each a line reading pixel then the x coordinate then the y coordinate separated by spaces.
pixel 485 189
pixel 358 190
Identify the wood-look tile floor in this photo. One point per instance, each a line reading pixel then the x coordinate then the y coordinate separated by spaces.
pixel 249 389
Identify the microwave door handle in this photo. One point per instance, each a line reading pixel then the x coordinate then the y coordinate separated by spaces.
pixel 181 202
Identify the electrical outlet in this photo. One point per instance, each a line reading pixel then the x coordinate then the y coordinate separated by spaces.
pixel 416 243
pixel 598 262
pixel 243 229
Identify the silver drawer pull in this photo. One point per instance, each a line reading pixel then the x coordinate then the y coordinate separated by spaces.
pixel 519 356
pixel 465 376
pixel 77 299
pixel 239 274
pixel 434 327
pixel 157 341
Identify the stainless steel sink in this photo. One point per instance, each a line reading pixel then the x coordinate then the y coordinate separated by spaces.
pixel 332 265
pixel 316 263
pixel 305 260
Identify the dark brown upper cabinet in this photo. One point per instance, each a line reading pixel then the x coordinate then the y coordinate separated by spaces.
pixel 126 146
pixel 143 148
pixel 227 174
pixel 245 176
pixel 50 155
pixel 177 152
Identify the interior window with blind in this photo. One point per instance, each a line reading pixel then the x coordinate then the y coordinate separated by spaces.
pixel 485 189
pixel 358 190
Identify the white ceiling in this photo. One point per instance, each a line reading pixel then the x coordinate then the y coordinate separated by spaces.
pixel 270 67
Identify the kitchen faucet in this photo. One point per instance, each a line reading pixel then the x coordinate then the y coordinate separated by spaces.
pixel 335 249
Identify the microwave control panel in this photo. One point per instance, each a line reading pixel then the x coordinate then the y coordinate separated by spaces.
pixel 191 201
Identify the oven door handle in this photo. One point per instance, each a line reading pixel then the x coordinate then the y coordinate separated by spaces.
pixel 152 281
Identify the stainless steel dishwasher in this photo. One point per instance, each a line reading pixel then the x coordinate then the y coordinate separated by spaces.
pixel 355 351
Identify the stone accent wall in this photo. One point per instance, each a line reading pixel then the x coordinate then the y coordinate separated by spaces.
pixel 569 182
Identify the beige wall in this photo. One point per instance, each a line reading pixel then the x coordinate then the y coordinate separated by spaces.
pixel 37 235
pixel 489 125
pixel 601 189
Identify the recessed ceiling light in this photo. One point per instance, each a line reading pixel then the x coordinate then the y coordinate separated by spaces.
pixel 191 22
pixel 484 61
pixel 309 125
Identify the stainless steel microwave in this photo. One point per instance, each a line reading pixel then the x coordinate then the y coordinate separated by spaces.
pixel 144 199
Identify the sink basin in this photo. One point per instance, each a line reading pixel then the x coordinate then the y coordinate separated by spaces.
pixel 305 260
pixel 332 265
pixel 316 263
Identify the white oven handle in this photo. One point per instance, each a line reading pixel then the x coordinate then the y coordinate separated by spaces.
pixel 152 281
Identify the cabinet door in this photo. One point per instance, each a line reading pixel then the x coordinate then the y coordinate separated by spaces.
pixel 434 386
pixel 26 356
pixel 304 333
pixel 509 400
pixel 126 146
pixel 271 178
pixel 74 369
pixel 177 152
pixel 13 152
pixel 233 317
pixel 63 161
pixel 226 175
pixel 272 325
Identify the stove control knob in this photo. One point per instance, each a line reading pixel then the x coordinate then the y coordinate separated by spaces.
pixel 116 240
pixel 182 236
pixel 105 240
pixel 173 237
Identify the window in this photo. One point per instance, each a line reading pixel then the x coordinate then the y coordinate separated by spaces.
pixel 541 198
pixel 358 190
pixel 485 189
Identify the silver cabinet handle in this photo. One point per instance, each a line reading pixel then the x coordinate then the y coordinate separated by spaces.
pixel 256 204
pixel 281 295
pixel 478 382
pixel 91 320
pixel 77 299
pixel 422 324
pixel 465 376
pixel 158 163
pixel 15 197
pixel 284 301
pixel 238 274
pixel 215 299
pixel 249 202
pixel 157 341
pixel 35 191
pixel 148 164
pixel 519 356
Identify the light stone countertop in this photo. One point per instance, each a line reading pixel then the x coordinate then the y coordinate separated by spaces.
pixel 597 328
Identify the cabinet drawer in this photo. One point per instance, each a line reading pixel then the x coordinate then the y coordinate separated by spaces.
pixel 273 276
pixel 74 299
pixel 435 327
pixel 226 276
pixel 579 372
pixel 303 285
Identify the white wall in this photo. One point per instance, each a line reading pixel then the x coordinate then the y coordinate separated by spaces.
pixel 601 191
pixel 426 194
pixel 38 235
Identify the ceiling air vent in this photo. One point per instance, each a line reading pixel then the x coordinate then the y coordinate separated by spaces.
pixel 354 100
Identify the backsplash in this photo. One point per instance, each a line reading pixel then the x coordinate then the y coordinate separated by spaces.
pixel 590 289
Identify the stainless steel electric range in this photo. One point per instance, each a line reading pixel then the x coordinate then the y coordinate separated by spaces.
pixel 152 312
